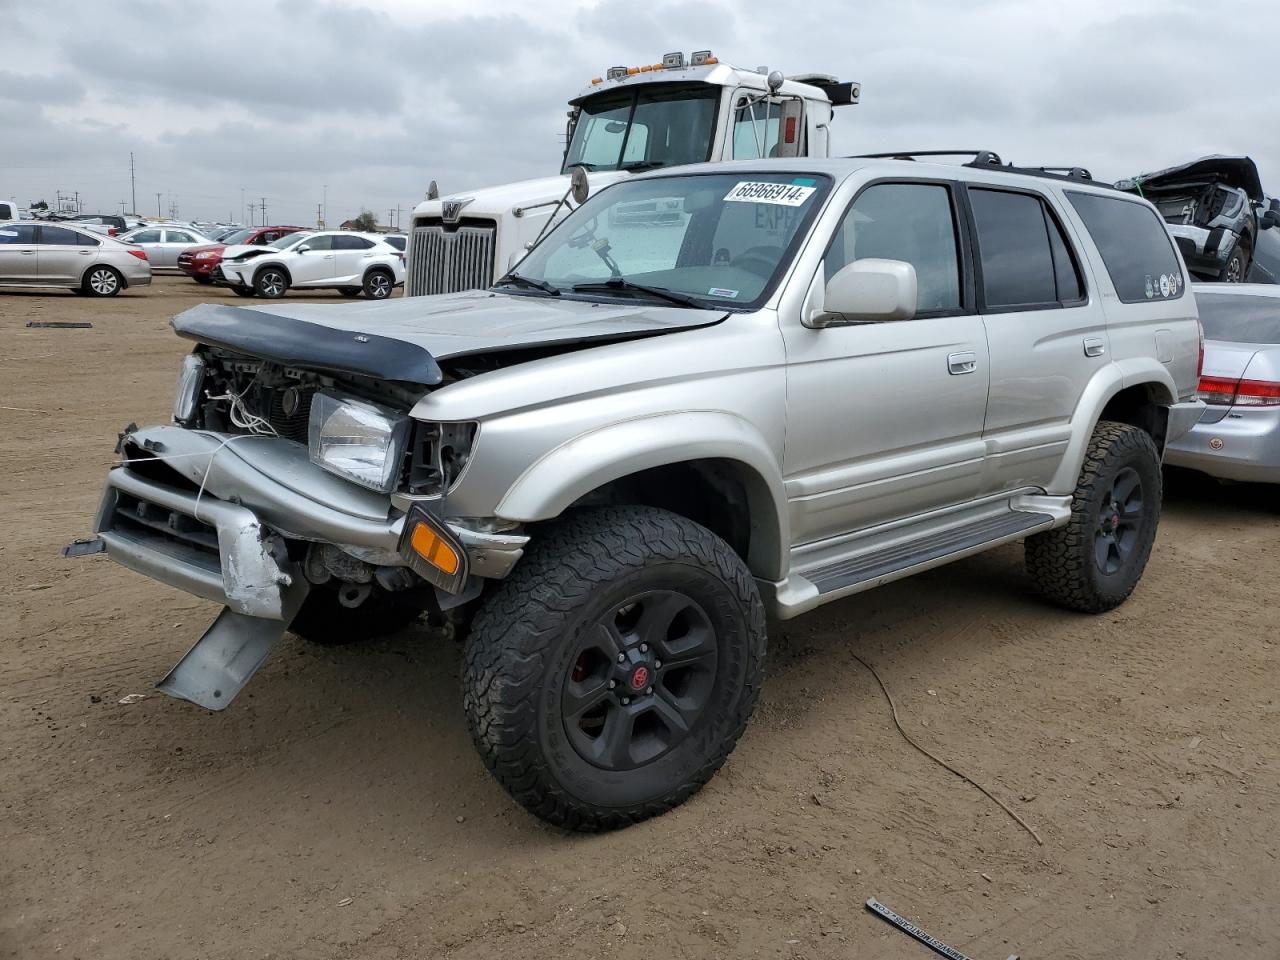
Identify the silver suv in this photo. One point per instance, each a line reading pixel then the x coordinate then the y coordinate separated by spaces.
pixel 712 395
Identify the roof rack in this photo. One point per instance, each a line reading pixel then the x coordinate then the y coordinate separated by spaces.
pixel 987 159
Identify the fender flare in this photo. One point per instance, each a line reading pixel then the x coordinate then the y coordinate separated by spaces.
pixel 259 267
pixel 590 460
pixel 1106 383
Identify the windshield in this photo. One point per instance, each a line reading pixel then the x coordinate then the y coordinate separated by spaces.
pixel 1238 318
pixel 240 236
pixel 717 239
pixel 650 126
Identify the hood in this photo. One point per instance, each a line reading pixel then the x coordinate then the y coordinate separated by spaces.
pixel 502 199
pixel 1239 172
pixel 205 247
pixel 402 339
pixel 239 248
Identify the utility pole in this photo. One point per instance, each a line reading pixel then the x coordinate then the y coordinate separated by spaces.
pixel 78 207
pixel 397 217
pixel 242 204
pixel 133 185
pixel 263 208
pixel 252 207
pixel 325 205
pixel 319 218
pixel 159 215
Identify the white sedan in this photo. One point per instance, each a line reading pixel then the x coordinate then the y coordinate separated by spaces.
pixel 348 262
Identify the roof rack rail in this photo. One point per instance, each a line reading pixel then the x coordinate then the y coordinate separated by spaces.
pixel 986 159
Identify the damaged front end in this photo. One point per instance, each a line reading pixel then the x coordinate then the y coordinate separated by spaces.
pixel 1210 209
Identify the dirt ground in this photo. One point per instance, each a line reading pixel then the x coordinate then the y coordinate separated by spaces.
pixel 337 810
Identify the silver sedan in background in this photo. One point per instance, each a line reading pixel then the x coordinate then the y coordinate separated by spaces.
pixel 1238 437
pixel 163 244
pixel 34 254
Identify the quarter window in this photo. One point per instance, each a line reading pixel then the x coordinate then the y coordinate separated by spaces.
pixel 1025 258
pixel 1134 245
pixel 913 222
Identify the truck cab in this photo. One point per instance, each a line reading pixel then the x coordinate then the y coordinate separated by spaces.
pixel 632 119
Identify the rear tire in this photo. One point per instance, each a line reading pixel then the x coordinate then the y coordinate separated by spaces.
pixel 1236 269
pixel 565 691
pixel 326 622
pixel 379 284
pixel 102 281
pixel 1095 561
pixel 271 283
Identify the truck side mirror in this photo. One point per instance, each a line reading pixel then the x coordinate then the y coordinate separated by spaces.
pixel 868 291
pixel 1270 218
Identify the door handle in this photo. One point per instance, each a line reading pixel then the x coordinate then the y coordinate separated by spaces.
pixel 83 253
pixel 960 363
pixel 1094 346
pixel 27 253
pixel 329 257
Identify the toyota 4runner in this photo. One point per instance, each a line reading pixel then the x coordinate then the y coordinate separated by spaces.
pixel 712 395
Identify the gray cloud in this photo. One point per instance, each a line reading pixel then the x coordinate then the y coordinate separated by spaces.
pixel 375 101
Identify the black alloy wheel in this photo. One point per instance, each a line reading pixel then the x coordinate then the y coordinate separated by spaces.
pixel 641 680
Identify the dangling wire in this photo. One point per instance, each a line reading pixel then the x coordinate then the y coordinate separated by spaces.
pixel 243 417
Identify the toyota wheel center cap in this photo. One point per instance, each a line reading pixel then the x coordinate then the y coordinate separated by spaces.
pixel 640 678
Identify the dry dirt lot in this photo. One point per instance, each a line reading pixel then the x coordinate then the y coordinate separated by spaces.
pixel 337 810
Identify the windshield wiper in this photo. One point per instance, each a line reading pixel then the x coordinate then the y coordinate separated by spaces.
pixel 517 280
pixel 622 283
pixel 642 165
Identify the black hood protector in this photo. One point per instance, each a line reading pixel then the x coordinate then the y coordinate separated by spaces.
pixel 1239 172
pixel 406 338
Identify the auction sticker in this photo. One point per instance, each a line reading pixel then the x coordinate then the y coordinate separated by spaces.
pixel 783 194
pixel 722 292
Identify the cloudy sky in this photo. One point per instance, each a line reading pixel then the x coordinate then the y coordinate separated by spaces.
pixel 283 98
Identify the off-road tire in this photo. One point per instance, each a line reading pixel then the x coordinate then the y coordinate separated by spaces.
pixel 1063 563
pixel 271 283
pixel 326 622
pixel 1236 269
pixel 102 281
pixel 379 284
pixel 523 643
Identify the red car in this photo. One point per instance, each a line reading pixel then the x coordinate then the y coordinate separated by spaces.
pixel 198 262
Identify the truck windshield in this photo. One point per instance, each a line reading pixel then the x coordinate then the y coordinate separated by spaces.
pixel 650 126
pixel 717 240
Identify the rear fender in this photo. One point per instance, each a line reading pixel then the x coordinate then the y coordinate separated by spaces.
pixel 1131 372
pixel 589 461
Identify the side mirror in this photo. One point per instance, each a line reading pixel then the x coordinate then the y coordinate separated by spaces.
pixel 869 291
pixel 303 248
pixel 1269 219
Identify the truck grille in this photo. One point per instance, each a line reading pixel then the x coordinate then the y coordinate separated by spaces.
pixel 449 260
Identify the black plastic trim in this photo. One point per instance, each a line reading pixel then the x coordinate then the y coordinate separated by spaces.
pixel 311 345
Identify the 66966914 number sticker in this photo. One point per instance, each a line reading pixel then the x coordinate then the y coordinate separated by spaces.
pixel 783 194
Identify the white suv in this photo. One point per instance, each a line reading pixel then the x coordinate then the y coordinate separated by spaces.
pixel 338 259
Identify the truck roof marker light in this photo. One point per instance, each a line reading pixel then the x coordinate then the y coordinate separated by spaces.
pixel 673 61
pixel 645 68
pixel 596 80
pixel 702 58
pixel 632 71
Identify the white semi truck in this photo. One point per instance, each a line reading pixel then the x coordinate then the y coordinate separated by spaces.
pixel 682 110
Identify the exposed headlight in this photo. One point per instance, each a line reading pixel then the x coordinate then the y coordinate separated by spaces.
pixel 208 254
pixel 190 380
pixel 358 440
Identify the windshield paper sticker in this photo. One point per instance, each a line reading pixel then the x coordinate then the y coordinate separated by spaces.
pixel 721 292
pixel 783 194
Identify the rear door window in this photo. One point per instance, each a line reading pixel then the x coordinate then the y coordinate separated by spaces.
pixel 58 236
pixel 351 243
pixel 145 236
pixel 1134 245
pixel 1024 258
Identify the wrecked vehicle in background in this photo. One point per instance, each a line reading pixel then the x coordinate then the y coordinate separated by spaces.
pixel 1216 210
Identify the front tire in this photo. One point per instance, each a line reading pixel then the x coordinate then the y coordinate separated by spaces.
pixel 1236 269
pixel 609 677
pixel 379 284
pixel 102 281
pixel 1095 561
pixel 271 283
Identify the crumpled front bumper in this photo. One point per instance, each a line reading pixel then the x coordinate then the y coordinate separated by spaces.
pixel 209 513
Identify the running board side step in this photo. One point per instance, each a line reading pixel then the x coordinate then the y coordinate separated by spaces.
pixel 880 566
pixel 872 566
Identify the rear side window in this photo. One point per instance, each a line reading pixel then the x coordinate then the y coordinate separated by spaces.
pixel 59 236
pixel 84 240
pixel 1240 319
pixel 145 236
pixel 1134 245
pixel 351 243
pixel 1025 259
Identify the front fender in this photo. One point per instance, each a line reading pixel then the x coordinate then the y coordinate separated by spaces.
pixel 589 461
pixel 1106 383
